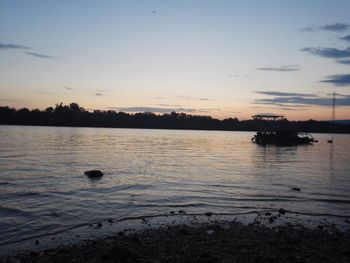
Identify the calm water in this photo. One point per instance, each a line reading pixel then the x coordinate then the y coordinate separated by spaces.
pixel 147 172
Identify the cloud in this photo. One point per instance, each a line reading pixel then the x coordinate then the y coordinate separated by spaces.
pixel 281 68
pixel 102 90
pixel 191 98
pixel 38 55
pixel 328 52
pixel 168 105
pixel 303 101
pixel 336 27
pixel 338 94
pixel 346 38
pixel 345 61
pixel 309 29
pixel 294 101
pixel 13 46
pixel 186 97
pixel 338 80
pixel 21 47
pixel 99 94
pixel 68 88
pixel 154 109
pixel 238 76
pixel 297 101
pixel 213 109
pixel 285 94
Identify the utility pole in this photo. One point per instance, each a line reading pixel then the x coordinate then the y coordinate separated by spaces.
pixel 333 116
pixel 333 110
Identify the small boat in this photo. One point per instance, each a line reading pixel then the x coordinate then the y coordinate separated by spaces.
pixel 279 137
pixel 282 137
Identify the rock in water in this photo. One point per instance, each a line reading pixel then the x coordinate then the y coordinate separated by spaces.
pixel 282 211
pixel 94 174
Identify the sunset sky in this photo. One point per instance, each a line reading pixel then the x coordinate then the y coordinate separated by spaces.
pixel 218 58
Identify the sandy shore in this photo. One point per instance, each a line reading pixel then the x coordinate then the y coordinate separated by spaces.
pixel 214 242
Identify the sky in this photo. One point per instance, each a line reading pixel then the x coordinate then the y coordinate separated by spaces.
pixel 218 58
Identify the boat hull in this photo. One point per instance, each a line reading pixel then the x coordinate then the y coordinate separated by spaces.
pixel 282 141
pixel 282 138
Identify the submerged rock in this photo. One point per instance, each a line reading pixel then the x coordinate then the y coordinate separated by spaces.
pixel 210 231
pixel 94 174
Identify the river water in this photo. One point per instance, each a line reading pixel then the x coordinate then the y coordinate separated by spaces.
pixel 43 189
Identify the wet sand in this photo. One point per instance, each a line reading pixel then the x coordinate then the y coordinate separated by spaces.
pixel 210 242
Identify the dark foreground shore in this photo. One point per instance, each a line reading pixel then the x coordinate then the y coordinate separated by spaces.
pixel 224 242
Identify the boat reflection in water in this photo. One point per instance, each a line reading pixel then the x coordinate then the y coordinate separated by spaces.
pixel 280 137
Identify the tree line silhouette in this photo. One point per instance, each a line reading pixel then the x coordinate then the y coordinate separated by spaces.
pixel 76 116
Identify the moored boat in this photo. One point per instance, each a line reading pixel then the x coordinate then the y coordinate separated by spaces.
pixel 279 136
pixel 282 137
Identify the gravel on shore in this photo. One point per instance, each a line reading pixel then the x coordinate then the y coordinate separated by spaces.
pixel 224 242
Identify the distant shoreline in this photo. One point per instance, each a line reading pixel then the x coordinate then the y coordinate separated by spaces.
pixel 73 115
pixel 143 128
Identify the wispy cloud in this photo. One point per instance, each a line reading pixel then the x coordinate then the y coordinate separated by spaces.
pixel 24 48
pixel 346 38
pixel 238 76
pixel 294 101
pixel 67 88
pixel 328 52
pixel 154 109
pixel 336 27
pixel 184 97
pixel 169 105
pixel 102 90
pixel 38 55
pixel 285 94
pixel 13 46
pixel 309 29
pixel 281 68
pixel 302 101
pixel 345 61
pixel 283 107
pixel 338 80
pixel 164 109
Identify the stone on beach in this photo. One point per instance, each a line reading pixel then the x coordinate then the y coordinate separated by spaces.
pixel 94 174
pixel 205 243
